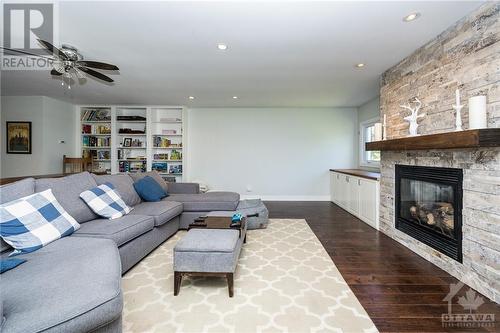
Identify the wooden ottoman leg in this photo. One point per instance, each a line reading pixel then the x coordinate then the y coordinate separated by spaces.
pixel 177 282
pixel 229 277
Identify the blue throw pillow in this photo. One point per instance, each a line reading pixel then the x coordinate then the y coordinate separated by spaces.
pixel 149 189
pixel 29 223
pixel 6 264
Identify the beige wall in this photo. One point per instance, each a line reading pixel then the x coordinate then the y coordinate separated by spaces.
pixel 467 55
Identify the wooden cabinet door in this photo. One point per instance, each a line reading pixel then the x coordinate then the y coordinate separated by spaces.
pixel 353 194
pixel 368 201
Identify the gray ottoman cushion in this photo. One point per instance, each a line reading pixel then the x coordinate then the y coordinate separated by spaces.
pixel 67 192
pixel 121 230
pixel 206 202
pixel 208 250
pixel 70 285
pixel 162 211
pixel 124 184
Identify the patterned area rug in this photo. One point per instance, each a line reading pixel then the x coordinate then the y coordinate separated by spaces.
pixel 285 282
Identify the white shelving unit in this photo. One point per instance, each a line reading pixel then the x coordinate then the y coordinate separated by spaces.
pixel 96 135
pixel 157 139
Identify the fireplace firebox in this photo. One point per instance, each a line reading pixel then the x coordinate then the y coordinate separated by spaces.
pixel 429 206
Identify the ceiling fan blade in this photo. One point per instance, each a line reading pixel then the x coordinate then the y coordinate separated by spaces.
pixel 95 74
pixel 54 72
pixel 23 52
pixel 97 64
pixel 54 50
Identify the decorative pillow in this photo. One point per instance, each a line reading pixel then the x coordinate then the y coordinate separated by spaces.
pixel 29 223
pixel 149 189
pixel 105 201
pixel 7 264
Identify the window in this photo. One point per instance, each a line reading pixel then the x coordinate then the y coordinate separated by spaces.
pixel 367 134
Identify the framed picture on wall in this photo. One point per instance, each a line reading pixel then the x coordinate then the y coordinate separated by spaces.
pixel 18 137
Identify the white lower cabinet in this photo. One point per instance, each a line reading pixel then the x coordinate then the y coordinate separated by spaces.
pixel 359 196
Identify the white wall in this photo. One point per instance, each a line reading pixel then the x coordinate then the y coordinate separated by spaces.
pixel 280 153
pixel 367 111
pixel 52 121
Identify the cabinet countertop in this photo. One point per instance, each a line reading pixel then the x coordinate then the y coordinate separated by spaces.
pixel 359 173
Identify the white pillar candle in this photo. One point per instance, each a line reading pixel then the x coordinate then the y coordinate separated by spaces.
pixel 457 97
pixel 378 131
pixel 477 112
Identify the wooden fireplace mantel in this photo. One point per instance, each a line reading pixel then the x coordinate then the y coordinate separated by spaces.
pixel 476 138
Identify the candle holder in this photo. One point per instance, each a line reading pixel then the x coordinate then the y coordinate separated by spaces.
pixel 458 117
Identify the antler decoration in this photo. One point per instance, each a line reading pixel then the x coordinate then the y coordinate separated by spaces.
pixel 414 116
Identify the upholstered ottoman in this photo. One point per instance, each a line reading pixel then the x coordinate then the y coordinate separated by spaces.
pixel 208 252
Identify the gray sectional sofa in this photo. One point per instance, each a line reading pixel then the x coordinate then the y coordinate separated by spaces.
pixel 74 284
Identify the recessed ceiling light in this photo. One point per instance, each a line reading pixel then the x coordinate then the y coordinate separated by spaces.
pixel 360 65
pixel 411 17
pixel 191 97
pixel 222 46
pixel 235 97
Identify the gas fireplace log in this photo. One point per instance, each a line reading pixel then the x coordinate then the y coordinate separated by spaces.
pixel 437 214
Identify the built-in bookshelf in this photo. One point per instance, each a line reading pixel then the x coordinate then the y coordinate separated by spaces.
pixel 135 138
pixel 96 136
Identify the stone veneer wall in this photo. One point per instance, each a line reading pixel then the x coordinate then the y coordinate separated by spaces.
pixel 467 55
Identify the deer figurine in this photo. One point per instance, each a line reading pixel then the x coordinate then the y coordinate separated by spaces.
pixel 413 118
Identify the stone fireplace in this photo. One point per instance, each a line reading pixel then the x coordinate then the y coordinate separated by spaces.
pixel 465 57
pixel 429 207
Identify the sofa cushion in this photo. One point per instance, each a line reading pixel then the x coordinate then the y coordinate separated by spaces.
pixel 105 201
pixel 162 211
pixel 120 230
pixel 124 184
pixel 71 285
pixel 16 190
pixel 32 222
pixel 67 192
pixel 206 202
pixel 153 174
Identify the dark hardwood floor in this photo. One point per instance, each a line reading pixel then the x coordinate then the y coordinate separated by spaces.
pixel 400 291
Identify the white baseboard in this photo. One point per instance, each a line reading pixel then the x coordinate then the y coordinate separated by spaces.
pixel 287 197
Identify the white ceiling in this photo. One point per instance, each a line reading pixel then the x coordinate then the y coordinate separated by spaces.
pixel 280 53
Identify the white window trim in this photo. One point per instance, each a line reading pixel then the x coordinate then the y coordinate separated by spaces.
pixel 362 156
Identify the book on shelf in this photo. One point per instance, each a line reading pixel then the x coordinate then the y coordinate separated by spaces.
pixel 160 166
pixel 93 141
pixel 96 129
pixel 132 166
pixel 170 179
pixel 96 114
pixel 130 118
pixel 175 169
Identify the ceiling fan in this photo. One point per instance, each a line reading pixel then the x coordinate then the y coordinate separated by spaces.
pixel 67 62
